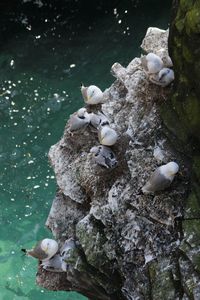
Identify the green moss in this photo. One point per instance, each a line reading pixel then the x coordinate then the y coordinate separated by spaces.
pixel 193 21
pixel 187 54
pixel 192 111
pixel 196 168
pixel 172 122
pixel 192 206
pixel 185 5
pixel 179 23
pixel 161 280
pixel 191 230
pixel 196 261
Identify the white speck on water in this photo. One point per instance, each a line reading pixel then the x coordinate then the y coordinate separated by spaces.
pixel 36 186
pixel 72 66
pixel 12 62
pixel 56 95
pixel 30 162
pixel 29 27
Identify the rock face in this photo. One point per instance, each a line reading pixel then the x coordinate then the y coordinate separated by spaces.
pixel 129 245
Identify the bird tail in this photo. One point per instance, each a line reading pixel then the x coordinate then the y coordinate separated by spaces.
pixel 24 250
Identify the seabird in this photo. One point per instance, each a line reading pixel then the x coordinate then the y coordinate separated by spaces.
pixel 104 156
pixel 152 63
pixel 92 94
pixel 43 250
pixel 61 261
pixel 107 136
pixel 161 178
pixel 79 120
pixel 97 119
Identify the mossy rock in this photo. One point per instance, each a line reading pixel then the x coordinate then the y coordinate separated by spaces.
pixel 162 286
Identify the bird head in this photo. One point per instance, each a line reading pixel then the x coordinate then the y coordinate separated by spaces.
pixel 81 112
pixel 49 246
pixel 94 93
pixel 171 168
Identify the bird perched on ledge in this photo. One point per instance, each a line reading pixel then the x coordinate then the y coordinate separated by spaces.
pixel 104 156
pixel 107 136
pixel 163 78
pixel 66 257
pixel 161 178
pixel 152 63
pixel 44 249
pixel 97 119
pixel 92 94
pixel 79 120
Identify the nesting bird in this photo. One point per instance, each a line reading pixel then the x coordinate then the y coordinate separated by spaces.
pixel 163 78
pixel 107 136
pixel 104 156
pixel 92 94
pixel 152 63
pixel 62 260
pixel 44 249
pixel 79 120
pixel 161 178
pixel 98 119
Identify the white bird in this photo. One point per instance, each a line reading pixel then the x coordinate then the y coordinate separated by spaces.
pixel 98 119
pixel 107 136
pixel 163 78
pixel 104 156
pixel 152 63
pixel 79 120
pixel 44 249
pixel 161 178
pixel 61 261
pixel 92 94
pixel 166 76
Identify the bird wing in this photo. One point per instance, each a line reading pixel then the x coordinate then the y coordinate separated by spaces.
pixel 54 264
pixel 84 93
pixel 95 120
pixel 109 157
pixel 77 123
pixel 37 252
pixel 157 182
pixel 100 160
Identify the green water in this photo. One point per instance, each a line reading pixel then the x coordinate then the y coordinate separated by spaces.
pixel 45 53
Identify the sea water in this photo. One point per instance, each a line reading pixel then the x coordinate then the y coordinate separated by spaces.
pixel 47 49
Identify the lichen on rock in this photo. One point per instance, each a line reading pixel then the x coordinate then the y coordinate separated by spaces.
pixel 126 239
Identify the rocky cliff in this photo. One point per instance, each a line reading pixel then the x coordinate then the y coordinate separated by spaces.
pixel 128 245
